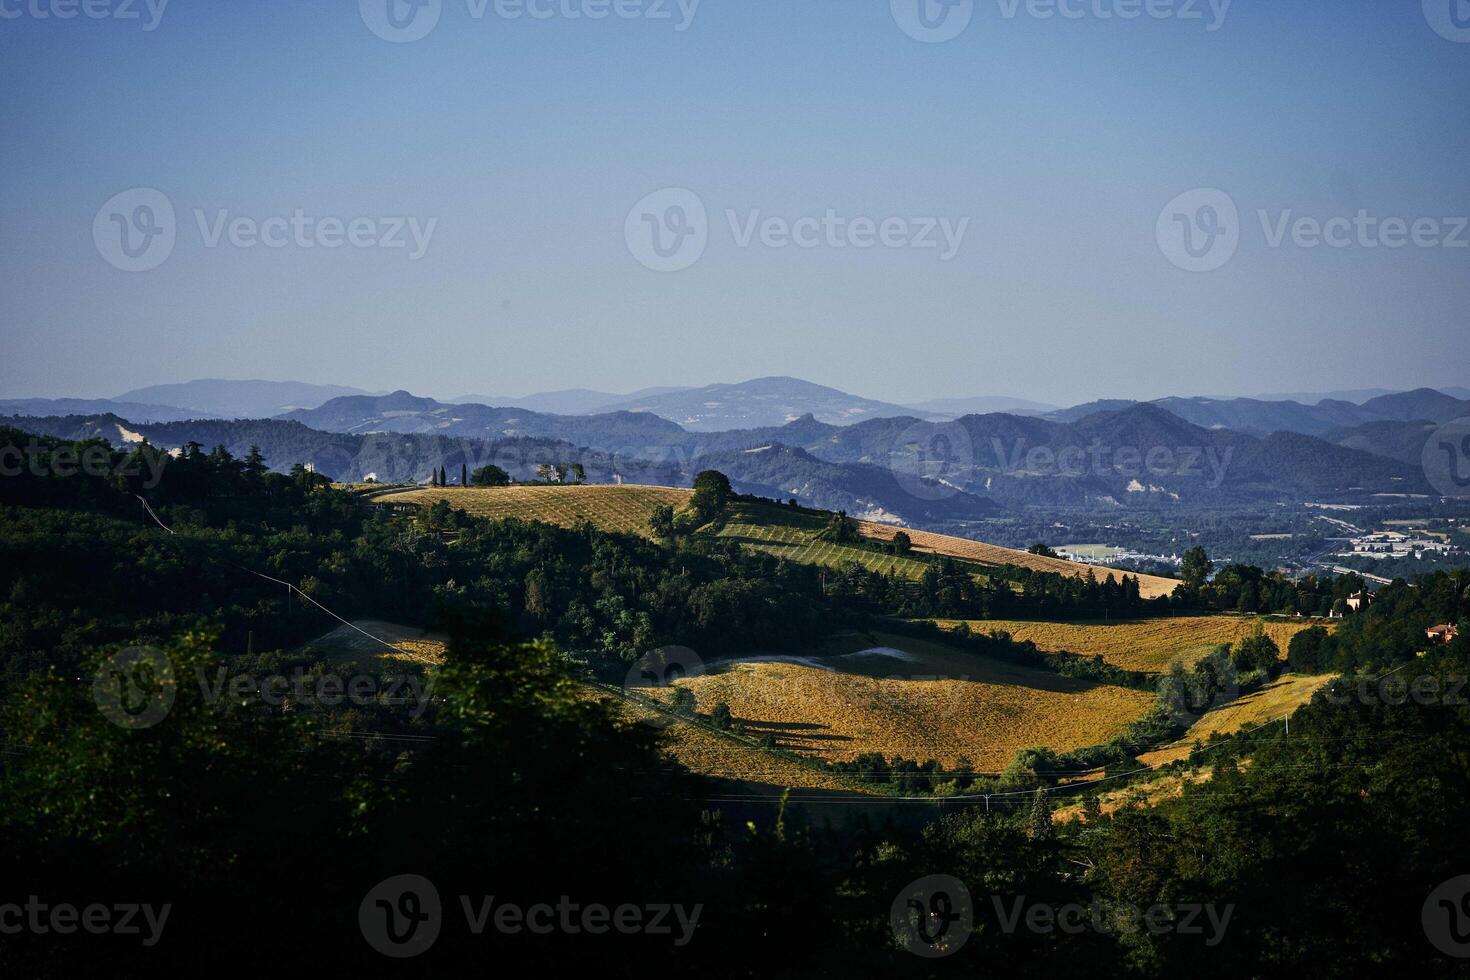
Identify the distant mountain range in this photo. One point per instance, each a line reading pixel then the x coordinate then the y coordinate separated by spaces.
pixel 1264 417
pixel 758 403
pixel 870 458
pixel 135 411
pixel 216 398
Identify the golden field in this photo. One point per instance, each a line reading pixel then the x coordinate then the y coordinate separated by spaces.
pixel 1146 644
pixel 1149 586
pixel 609 507
pixel 770 528
pixel 708 753
pixel 919 700
pixel 1273 702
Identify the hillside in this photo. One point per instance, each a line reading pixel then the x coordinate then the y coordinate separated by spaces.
pixel 765 527
pixel 912 698
pixel 1149 644
pixel 1149 586
pixel 1275 701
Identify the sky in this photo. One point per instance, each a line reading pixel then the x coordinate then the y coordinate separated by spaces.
pixel 1050 200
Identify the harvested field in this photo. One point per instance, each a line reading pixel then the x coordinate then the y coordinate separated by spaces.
pixel 709 754
pixel 1271 703
pixel 1149 586
pixel 916 699
pixel 611 508
pixel 1145 644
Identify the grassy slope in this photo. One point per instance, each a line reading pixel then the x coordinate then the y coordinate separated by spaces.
pixel 1150 586
pixel 766 527
pixel 941 703
pixel 611 508
pixel 1271 703
pixel 1149 644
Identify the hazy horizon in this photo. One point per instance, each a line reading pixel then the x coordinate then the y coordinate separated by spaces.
pixel 623 391
pixel 1033 169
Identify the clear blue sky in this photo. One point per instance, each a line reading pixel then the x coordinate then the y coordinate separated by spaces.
pixel 1061 140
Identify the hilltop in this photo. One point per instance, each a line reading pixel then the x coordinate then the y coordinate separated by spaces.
pixel 794 533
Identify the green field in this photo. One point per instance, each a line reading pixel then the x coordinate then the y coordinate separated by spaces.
pixel 776 530
pixel 796 537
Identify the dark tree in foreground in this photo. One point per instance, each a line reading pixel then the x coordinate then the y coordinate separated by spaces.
pixel 490 476
pixel 711 494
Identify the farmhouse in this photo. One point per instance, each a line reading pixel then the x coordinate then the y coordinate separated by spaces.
pixel 1443 633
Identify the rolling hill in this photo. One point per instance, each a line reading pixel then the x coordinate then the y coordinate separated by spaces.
pixel 767 527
